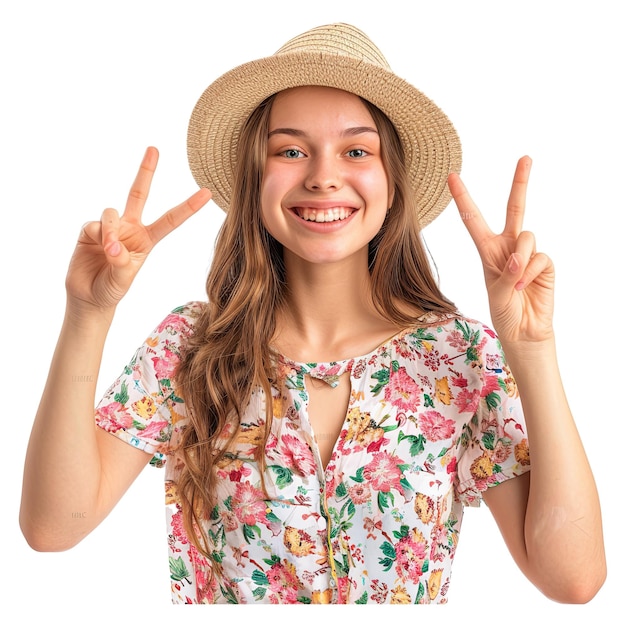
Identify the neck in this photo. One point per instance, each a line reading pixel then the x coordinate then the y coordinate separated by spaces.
pixel 329 313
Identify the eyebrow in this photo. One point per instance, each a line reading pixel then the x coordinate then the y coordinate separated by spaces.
pixel 349 132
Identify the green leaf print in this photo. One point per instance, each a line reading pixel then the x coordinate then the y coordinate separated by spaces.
pixel 259 578
pixel 418 442
pixel 273 560
pixel 284 475
pixel 249 532
pixel 420 593
pixel 341 491
pixel 428 401
pixel 471 355
pixel 178 569
pixel 272 517
pixel 390 556
pixel 382 376
pixel 489 440
pixel 492 399
pixel 122 396
pixel 362 599
pixel 359 476
pixel 402 533
pixel 229 594
pixel 351 510
pixel 383 500
pixel 421 335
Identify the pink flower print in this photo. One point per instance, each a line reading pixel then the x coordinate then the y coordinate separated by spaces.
pixel 113 416
pixel 360 493
pixel 467 401
pixel 284 583
pixel 381 591
pixel 358 369
pixel 490 385
pixel 248 504
pixel 165 366
pixel 383 472
pixel 458 381
pixel 431 360
pixel 343 589
pixel 153 430
pixel 178 529
pixel 229 519
pixel 410 556
pixel 501 452
pixel 402 391
pixel 297 455
pixel 173 323
pixel 435 426
pixel 404 348
pixel 456 340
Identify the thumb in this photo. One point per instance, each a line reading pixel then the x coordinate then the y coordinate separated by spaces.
pixel 512 277
pixel 116 253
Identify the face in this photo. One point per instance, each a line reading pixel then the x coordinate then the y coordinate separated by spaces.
pixel 325 193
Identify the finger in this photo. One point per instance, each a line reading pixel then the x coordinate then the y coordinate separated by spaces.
pixel 91 232
pixel 176 216
pixel 114 250
pixel 516 205
pixel 537 265
pixel 469 212
pixel 519 260
pixel 140 188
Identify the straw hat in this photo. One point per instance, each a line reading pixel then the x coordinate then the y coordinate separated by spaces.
pixel 336 55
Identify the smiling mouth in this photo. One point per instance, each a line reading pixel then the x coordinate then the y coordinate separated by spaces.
pixel 324 215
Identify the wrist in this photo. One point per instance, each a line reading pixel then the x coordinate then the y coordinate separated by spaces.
pixel 531 360
pixel 86 316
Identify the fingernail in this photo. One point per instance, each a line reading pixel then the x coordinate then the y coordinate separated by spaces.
pixel 513 264
pixel 114 249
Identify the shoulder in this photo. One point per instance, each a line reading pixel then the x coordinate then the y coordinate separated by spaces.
pixel 456 328
pixel 182 319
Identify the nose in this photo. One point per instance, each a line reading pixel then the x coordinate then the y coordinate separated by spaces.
pixel 324 173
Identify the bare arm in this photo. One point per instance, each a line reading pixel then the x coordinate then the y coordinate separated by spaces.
pixel 75 473
pixel 551 519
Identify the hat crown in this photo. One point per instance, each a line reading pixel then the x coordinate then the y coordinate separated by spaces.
pixel 338 39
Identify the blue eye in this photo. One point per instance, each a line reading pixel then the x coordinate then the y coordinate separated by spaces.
pixel 292 153
pixel 357 153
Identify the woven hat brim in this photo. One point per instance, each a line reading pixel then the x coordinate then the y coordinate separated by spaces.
pixel 431 144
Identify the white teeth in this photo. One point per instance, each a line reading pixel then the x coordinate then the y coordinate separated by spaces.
pixel 325 215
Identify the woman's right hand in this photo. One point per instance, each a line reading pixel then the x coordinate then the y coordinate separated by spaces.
pixel 110 252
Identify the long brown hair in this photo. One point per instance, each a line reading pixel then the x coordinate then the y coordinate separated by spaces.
pixel 229 354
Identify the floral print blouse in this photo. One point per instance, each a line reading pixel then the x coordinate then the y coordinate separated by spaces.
pixel 434 419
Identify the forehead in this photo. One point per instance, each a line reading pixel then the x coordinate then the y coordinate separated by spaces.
pixel 313 102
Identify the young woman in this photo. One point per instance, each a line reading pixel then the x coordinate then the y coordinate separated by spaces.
pixel 326 414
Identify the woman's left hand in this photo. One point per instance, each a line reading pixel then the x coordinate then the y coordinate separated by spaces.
pixel 520 280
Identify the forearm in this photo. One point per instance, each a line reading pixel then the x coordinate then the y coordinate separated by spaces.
pixel 563 526
pixel 62 471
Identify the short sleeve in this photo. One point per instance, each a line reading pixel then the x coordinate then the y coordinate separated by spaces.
pixel 142 406
pixel 494 443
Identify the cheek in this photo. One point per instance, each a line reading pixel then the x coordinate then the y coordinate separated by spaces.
pixel 376 185
pixel 271 196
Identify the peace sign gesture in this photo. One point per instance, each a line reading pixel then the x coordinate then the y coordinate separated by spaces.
pixel 110 252
pixel 520 280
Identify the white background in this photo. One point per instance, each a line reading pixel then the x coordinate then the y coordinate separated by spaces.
pixel 86 86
